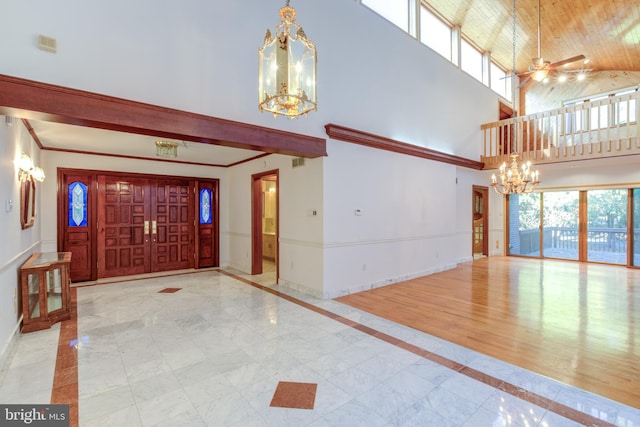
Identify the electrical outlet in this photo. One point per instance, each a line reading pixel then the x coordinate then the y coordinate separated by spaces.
pixel 497 244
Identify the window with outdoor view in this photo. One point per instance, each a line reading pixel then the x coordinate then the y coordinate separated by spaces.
pixel 605 237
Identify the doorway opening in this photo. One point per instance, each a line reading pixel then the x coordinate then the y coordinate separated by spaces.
pixel 265 224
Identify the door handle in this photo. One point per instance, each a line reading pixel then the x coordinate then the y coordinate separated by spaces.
pixel 146 227
pixel 154 227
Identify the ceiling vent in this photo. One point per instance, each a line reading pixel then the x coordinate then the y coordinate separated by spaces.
pixel 297 162
pixel 48 44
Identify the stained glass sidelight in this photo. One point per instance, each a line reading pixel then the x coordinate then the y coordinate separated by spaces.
pixel 205 206
pixel 77 204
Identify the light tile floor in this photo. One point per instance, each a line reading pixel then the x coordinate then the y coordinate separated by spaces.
pixel 213 353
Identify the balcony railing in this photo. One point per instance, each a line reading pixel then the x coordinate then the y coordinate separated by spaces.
pixel 603 244
pixel 604 128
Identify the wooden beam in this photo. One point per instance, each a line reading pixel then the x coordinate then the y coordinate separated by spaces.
pixel 375 141
pixel 41 101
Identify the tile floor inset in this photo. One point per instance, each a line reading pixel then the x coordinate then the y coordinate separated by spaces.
pixel 294 395
pixel 169 290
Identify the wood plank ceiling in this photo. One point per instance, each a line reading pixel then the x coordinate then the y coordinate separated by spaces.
pixel 606 32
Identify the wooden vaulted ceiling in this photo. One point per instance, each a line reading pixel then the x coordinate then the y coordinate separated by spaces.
pixel 607 32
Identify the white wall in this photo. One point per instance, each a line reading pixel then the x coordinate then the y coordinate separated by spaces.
pixel 620 172
pixel 191 55
pixel 376 78
pixel 17 244
pixel 403 228
pixel 413 220
pixel 202 57
pixel 300 233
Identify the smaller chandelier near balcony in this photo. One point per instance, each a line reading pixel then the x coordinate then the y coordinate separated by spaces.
pixel 287 69
pixel 515 180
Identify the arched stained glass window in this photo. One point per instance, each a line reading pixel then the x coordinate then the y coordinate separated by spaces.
pixel 77 204
pixel 205 206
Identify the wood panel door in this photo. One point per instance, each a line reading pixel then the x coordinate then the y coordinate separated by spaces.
pixel 123 226
pixel 207 224
pixel 480 221
pixel 172 230
pixel 144 225
pixel 259 221
pixel 77 230
pixel 118 225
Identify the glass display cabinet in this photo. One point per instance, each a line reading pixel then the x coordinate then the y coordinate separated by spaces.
pixel 44 282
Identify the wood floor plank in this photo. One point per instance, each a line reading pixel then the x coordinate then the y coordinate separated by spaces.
pixel 575 322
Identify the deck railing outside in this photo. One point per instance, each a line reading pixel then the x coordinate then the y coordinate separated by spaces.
pixel 600 128
pixel 603 244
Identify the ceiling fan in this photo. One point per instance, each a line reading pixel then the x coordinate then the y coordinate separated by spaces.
pixel 540 69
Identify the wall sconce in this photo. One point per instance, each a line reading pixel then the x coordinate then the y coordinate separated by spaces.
pixel 27 171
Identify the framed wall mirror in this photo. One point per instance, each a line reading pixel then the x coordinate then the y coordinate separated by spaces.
pixel 27 203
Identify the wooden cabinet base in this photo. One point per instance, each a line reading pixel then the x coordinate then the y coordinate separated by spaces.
pixel 44 286
pixel 38 325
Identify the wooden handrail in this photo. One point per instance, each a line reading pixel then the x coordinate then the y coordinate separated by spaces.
pixel 602 128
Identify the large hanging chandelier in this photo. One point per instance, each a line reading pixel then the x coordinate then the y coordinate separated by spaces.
pixel 287 69
pixel 516 179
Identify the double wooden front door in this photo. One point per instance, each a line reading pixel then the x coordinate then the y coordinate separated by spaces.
pixel 144 226
pixel 118 225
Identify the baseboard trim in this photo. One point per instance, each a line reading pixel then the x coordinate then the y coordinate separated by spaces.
pixel 390 281
pixel 8 350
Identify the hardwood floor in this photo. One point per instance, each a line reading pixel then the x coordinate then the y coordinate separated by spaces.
pixel 576 323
